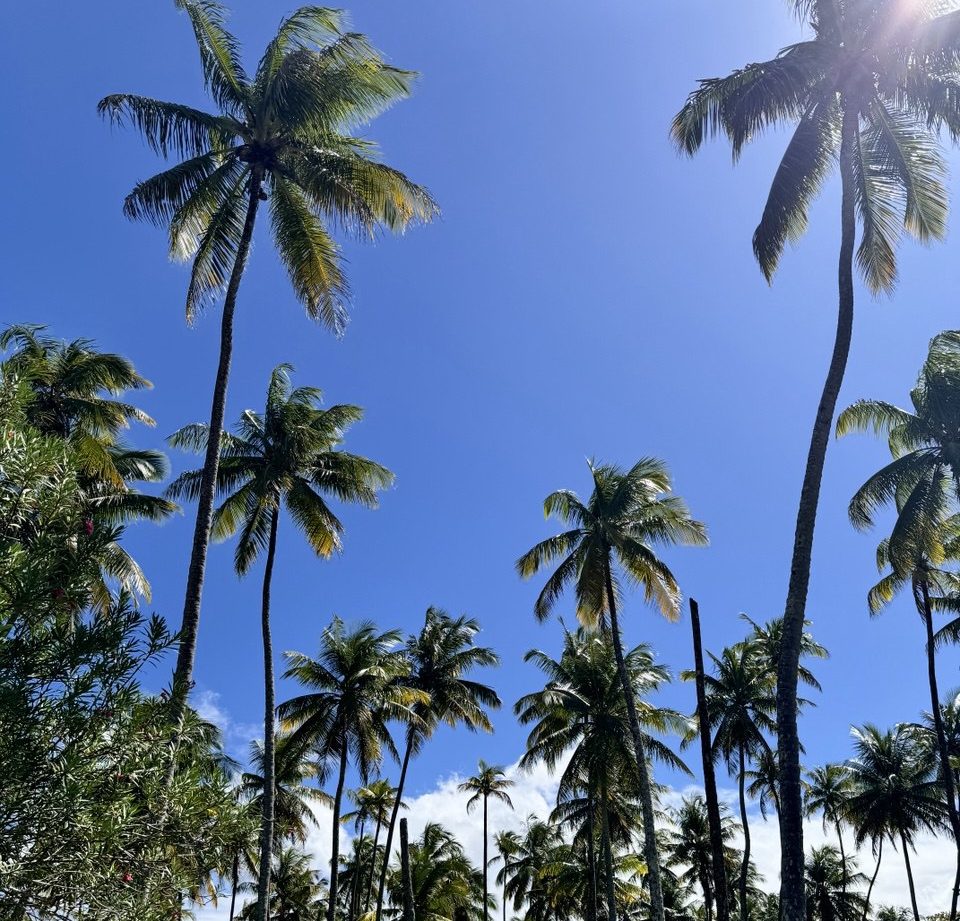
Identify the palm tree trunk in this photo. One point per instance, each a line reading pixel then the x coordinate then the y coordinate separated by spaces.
pixel 358 864
pixel 946 771
pixel 591 862
pixel 607 855
pixel 745 865
pixel 407 881
pixel 190 624
pixel 843 865
pixel 792 894
pixel 709 775
pixel 913 891
pixel 646 793
pixel 486 862
pixel 373 866
pixel 335 843
pixel 873 879
pixel 269 737
pixel 234 881
pixel 393 821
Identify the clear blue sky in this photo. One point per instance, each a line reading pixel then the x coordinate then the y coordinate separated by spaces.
pixel 587 292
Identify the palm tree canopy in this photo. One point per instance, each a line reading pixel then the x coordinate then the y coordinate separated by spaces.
pixel 490 782
pixel 827 793
pixel 289 124
pixel 626 513
pixel 884 65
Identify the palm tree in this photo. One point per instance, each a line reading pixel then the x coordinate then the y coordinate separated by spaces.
pixel 282 135
pixel 582 713
pixel 74 392
pixel 287 454
pixel 297 889
pixel 441 657
pixel 489 781
pixel 353 690
pixel 741 701
pixel 376 802
pixel 863 91
pixel 690 848
pixel 625 514
pixel 895 793
pixel 829 875
pixel 507 844
pixel 827 794
pixel 523 876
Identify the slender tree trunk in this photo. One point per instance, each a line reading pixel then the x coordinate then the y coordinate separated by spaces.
pixel 946 771
pixel 607 856
pixel 913 891
pixel 190 624
pixel 393 821
pixel 709 775
pixel 486 862
pixel 873 879
pixel 792 894
pixel 373 866
pixel 591 861
pixel 269 736
pixel 843 864
pixel 335 843
pixel 357 873
pixel 234 882
pixel 745 865
pixel 408 913
pixel 646 793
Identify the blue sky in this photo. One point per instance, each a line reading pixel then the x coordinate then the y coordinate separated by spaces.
pixel 586 293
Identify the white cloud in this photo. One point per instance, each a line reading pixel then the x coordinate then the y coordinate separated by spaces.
pixel 207 705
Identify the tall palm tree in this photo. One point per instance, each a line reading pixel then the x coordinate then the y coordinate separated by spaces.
pixel 741 701
pixel 829 876
pixel 862 91
pixel 376 802
pixel 507 844
pixel 352 691
pixel 441 658
pixel 827 794
pixel 895 793
pixel 581 713
pixel 282 135
pixel 489 781
pixel 627 512
pixel 287 455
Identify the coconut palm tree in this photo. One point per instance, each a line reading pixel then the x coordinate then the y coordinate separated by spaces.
pixel 895 792
pixel 375 802
pixel 489 781
pixel 523 876
pixel 829 878
pixel 864 92
pixel 441 658
pixel 581 713
pixel 627 512
pixel 741 700
pixel 507 844
pixel 282 135
pixel 297 890
pixel 827 794
pixel 287 455
pixel 353 689
pixel 689 848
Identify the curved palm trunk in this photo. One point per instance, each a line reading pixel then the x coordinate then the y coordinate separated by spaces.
pixel 591 864
pixel 486 862
pixel 843 865
pixel 190 624
pixel 335 843
pixel 373 866
pixel 745 865
pixel 873 879
pixel 234 881
pixel 913 891
pixel 393 821
pixel 709 775
pixel 607 856
pixel 792 895
pixel 946 772
pixel 646 793
pixel 269 738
